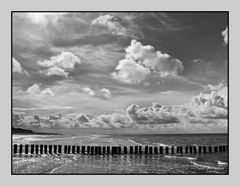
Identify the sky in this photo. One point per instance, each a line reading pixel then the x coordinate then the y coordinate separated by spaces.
pixel 145 71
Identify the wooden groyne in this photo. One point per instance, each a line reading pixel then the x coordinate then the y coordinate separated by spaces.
pixel 114 150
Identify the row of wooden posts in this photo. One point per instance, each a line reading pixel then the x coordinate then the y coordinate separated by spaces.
pixel 114 150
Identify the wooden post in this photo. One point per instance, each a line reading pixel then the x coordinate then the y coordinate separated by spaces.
pixel 15 147
pixel 224 148
pixel 89 150
pixel 125 151
pixel 65 149
pixel 50 149
pixel 166 150
pixel 55 149
pixel 131 149
pixel 69 149
pixel 204 149
pixel 26 149
pixel 199 149
pixel 177 150
pixel 59 149
pixel 210 149
pixel 181 149
pixel 194 149
pixel 155 150
pixel 108 149
pixel 140 150
pixel 116 150
pixel 92 150
pixel 190 150
pixel 45 149
pixel 220 148
pixel 172 149
pixel 83 150
pixel 41 149
pixel 36 149
pixel 20 149
pixel 216 149
pixel 113 150
pixel 32 149
pixel 161 149
pixel 73 149
pixel 104 150
pixel 119 150
pixel 78 149
pixel 186 150
pixel 136 149
pixel 100 150
pixel 150 150
pixel 95 150
pixel 146 150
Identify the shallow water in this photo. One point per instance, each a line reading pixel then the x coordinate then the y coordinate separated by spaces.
pixel 216 163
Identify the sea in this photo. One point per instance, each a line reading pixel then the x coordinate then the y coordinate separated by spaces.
pixel 215 163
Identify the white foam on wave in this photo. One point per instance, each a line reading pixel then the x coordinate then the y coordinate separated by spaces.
pixel 161 144
pixel 220 163
pixel 180 157
pixel 205 166
pixel 112 142
pixel 134 142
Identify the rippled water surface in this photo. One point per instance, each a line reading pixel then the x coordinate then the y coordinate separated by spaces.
pixel 216 163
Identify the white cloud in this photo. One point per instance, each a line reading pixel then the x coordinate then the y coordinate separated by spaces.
pixel 47 91
pixel 35 89
pixel 156 114
pixel 213 105
pixel 60 64
pixel 82 118
pixel 56 71
pixel 111 23
pixel 129 71
pixel 225 35
pixel 16 67
pixel 207 112
pixel 154 60
pixel 142 60
pixel 106 93
pixel 88 91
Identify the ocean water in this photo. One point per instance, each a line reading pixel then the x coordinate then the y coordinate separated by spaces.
pixel 215 163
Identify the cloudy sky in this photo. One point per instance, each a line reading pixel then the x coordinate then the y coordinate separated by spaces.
pixel 165 71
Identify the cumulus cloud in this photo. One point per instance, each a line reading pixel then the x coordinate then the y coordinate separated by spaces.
pixel 156 114
pixel 16 67
pixel 88 91
pixel 142 60
pixel 60 64
pixel 111 23
pixel 82 118
pixel 35 89
pixel 17 117
pixel 207 111
pixel 213 105
pixel 47 91
pixel 106 93
pixel 129 71
pixel 225 35
pixel 56 71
